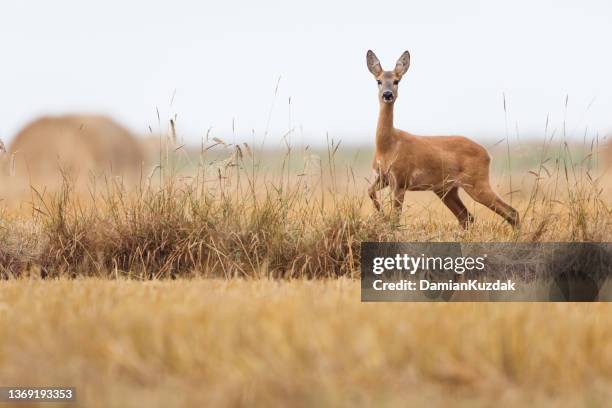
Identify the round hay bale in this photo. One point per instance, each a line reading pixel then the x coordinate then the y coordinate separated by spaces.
pixel 80 146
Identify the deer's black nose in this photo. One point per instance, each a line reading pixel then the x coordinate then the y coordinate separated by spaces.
pixel 387 95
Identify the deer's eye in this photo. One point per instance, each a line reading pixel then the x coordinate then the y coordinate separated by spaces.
pixel 396 82
pixel 379 82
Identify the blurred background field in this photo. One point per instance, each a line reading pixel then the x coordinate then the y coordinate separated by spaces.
pixel 89 151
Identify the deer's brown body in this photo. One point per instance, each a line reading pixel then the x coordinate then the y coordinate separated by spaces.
pixel 441 164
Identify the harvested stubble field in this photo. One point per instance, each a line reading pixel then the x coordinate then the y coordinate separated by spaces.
pixel 136 308
pixel 296 343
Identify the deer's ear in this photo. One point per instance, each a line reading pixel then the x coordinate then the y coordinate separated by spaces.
pixel 373 63
pixel 402 64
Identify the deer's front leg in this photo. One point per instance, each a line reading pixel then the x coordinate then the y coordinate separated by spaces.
pixel 398 199
pixel 398 190
pixel 378 184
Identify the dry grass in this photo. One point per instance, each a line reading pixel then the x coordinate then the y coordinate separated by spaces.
pixel 228 217
pixel 296 343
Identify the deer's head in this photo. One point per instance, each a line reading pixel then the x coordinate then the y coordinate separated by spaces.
pixel 388 81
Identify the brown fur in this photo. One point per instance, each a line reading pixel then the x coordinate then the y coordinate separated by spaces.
pixel 80 145
pixel 441 164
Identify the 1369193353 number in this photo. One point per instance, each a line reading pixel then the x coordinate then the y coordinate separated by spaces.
pixel 37 394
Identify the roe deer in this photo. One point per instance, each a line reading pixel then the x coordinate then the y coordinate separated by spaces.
pixel 440 164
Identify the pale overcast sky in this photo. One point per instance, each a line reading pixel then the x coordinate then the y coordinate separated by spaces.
pixel 221 60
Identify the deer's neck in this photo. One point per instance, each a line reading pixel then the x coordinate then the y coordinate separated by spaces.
pixel 384 129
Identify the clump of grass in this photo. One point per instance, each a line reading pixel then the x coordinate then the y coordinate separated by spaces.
pixel 237 227
pixel 230 217
pixel 11 259
pixel 169 231
pixel 18 246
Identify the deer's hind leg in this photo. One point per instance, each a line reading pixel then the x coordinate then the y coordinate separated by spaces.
pixel 451 199
pixel 484 194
